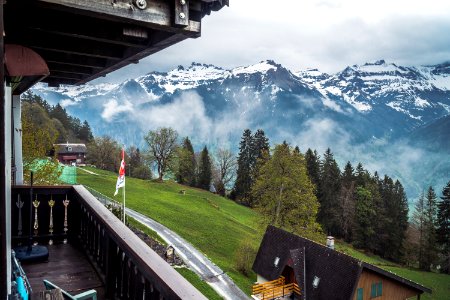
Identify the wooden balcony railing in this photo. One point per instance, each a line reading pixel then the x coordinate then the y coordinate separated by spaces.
pixel 261 287
pixel 128 267
pixel 275 289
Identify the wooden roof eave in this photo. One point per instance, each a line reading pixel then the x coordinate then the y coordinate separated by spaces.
pixel 82 40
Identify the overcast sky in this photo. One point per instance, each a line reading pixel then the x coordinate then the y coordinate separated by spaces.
pixel 324 34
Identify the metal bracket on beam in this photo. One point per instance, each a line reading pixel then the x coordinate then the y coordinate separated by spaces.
pixel 181 13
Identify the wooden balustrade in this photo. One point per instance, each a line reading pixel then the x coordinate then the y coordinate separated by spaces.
pixel 259 288
pixel 275 289
pixel 128 267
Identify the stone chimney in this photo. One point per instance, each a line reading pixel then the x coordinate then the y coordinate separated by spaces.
pixel 330 242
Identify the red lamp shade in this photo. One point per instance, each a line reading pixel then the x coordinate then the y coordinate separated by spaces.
pixel 22 61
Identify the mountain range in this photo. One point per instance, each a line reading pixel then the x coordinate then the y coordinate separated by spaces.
pixel 394 119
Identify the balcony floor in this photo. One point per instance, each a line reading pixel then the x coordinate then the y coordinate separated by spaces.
pixel 68 268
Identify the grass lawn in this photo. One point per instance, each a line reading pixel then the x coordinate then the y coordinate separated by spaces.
pixel 216 226
pixel 199 284
pixel 439 283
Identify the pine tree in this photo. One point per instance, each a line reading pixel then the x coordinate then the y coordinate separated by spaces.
pixel 30 97
pixel 443 231
pixel 313 166
pixel 364 215
pixel 329 189
pixel 347 202
pixel 392 214
pixel 246 161
pixel 204 170
pixel 430 245
pixel 186 164
pixel 419 221
pixel 260 145
pixel 284 193
pixel 362 175
pixel 60 113
pixel 85 133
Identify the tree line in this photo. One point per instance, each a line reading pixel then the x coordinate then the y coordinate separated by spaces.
pixel 169 158
pixel 428 238
pixel 43 126
pixel 205 170
pixel 63 126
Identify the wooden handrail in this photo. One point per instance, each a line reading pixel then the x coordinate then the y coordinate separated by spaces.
pixel 267 285
pixel 128 267
pixel 269 290
pixel 133 254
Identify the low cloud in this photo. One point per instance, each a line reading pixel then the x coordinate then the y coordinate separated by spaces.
pixel 112 108
pixel 68 102
pixel 321 134
pixel 186 114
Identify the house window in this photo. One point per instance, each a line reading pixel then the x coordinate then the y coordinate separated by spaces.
pixel 376 290
pixel 316 281
pixel 276 261
pixel 359 294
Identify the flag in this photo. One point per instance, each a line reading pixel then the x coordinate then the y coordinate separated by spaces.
pixel 121 178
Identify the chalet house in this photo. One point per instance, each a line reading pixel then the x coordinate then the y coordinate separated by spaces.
pixel 287 264
pixel 71 154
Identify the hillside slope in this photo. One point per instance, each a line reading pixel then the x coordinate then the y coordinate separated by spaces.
pixel 216 226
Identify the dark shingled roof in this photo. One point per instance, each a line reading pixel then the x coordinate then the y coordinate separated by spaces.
pixel 339 273
pixel 76 148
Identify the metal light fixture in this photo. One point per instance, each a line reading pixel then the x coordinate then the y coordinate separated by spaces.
pixel 141 4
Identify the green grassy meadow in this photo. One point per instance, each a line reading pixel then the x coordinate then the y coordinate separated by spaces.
pixel 213 224
pixel 216 226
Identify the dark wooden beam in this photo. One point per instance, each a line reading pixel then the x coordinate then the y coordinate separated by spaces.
pixel 73 59
pixel 65 75
pixel 82 27
pixel 59 67
pixel 158 14
pixel 74 46
pixel 55 82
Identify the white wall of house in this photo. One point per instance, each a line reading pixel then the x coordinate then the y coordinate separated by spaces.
pixel 260 279
pixel 17 132
pixel 7 170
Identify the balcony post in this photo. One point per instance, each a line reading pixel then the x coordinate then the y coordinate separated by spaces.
pixel 5 186
pixel 17 132
pixel 110 270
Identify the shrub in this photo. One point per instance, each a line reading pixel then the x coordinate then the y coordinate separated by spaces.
pixel 244 257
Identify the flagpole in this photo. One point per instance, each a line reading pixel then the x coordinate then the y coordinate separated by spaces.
pixel 124 201
pixel 124 176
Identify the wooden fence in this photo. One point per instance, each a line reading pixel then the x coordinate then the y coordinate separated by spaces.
pixel 275 289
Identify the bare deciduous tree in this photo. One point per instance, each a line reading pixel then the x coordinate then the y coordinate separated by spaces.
pixel 225 170
pixel 162 144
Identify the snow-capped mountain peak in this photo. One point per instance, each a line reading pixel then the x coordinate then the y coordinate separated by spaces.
pixel 261 67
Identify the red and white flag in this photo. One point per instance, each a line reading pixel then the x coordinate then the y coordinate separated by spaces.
pixel 121 178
